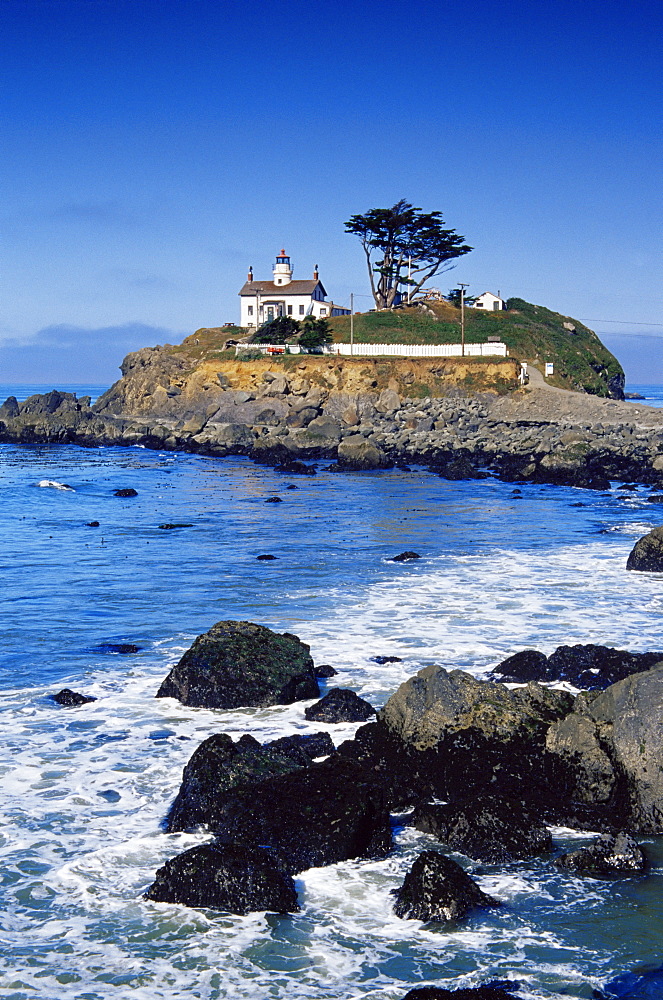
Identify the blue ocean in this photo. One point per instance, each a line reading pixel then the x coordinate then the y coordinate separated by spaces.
pixel 84 790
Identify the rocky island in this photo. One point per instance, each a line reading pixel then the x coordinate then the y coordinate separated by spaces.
pixel 460 416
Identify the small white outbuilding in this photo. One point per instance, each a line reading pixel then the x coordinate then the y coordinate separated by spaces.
pixel 488 301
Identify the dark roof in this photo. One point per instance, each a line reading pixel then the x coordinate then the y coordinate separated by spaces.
pixel 292 288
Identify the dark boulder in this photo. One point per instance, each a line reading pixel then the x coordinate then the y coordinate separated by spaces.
pixel 274 500
pixel 436 702
pixel 608 855
pixel 70 698
pixel 469 737
pixel 405 557
pixel 228 877
pixel 218 767
pixel 585 666
pixel 312 745
pixel 486 828
pixel 647 553
pixel 403 772
pixel 242 664
pixel 386 659
pixel 525 665
pixel 318 815
pixel 324 670
pixel 266 557
pixel 125 493
pixel 92 524
pixel 170 526
pixel 355 453
pixel 436 888
pixel 610 745
pixel 340 705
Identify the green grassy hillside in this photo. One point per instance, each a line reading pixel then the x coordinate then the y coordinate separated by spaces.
pixel 531 333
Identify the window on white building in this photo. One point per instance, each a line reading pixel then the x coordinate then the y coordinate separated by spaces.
pixel 323 312
pixel 289 310
pixel 250 310
pixel 301 310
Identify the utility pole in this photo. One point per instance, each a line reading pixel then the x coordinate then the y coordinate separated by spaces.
pixel 462 317
pixel 352 323
pixel 409 278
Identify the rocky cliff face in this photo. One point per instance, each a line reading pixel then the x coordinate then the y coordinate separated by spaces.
pixel 458 416
pixel 157 382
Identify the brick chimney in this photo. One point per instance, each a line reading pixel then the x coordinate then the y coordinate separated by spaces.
pixel 316 276
pixel 249 276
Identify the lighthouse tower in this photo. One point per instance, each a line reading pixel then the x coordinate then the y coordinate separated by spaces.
pixel 282 269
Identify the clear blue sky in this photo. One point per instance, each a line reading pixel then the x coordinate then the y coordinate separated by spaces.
pixel 153 149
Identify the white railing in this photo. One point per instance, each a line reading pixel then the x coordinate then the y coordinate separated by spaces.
pixel 420 350
pixel 389 350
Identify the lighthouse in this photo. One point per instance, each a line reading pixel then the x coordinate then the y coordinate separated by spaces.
pixel 282 270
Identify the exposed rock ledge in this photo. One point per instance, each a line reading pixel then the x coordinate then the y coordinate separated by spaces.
pixel 363 413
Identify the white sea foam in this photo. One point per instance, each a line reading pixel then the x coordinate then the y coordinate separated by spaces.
pixel 84 791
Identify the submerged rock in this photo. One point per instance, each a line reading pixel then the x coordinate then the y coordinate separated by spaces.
pixel 125 493
pixel 227 877
pixel 608 855
pixel 293 467
pixel 405 557
pixel 436 888
pixel 629 986
pixel 340 705
pixel 238 664
pixel 69 698
pixel 123 648
pixel 647 553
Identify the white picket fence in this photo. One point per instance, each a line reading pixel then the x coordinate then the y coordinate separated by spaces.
pixel 389 350
pixel 420 350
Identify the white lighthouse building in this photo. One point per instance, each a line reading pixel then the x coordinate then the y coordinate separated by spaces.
pixel 263 301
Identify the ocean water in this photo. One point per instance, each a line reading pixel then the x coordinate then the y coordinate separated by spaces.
pixel 23 390
pixel 653 394
pixel 84 790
